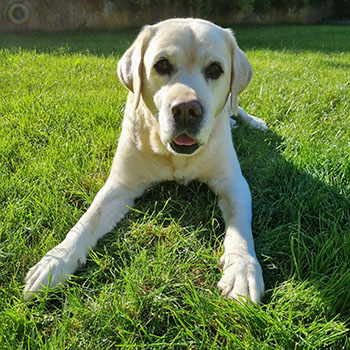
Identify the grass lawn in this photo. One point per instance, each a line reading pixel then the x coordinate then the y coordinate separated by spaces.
pixel 151 283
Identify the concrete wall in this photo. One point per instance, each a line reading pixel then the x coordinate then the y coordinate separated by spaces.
pixel 60 15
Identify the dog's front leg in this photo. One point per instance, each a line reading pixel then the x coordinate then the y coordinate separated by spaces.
pixel 108 207
pixel 242 275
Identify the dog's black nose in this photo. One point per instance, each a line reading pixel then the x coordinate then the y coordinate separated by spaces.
pixel 186 113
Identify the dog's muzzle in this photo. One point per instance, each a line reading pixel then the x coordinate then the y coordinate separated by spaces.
pixel 187 119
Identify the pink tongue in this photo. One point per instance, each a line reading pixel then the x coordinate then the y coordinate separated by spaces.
pixel 184 140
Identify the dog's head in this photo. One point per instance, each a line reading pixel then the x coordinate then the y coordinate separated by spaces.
pixel 184 70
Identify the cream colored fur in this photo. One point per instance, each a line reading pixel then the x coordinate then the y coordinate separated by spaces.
pixel 144 154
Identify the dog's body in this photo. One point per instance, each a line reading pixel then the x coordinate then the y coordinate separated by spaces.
pixel 180 74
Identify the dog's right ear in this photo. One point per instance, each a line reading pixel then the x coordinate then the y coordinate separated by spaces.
pixel 130 66
pixel 241 71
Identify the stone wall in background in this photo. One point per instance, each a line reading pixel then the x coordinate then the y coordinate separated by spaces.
pixel 61 15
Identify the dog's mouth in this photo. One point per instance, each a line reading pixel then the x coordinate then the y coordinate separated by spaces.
pixel 184 144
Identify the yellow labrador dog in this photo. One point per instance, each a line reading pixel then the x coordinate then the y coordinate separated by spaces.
pixel 180 73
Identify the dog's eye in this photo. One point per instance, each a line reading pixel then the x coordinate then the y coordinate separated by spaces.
pixel 213 71
pixel 163 66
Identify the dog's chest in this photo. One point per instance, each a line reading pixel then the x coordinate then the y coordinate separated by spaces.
pixel 183 169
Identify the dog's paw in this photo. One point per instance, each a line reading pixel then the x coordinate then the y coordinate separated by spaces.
pixel 257 123
pixel 242 278
pixel 251 120
pixel 54 268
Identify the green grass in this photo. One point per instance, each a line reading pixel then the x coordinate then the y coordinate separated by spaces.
pixel 151 283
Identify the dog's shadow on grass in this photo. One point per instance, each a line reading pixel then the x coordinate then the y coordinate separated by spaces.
pixel 297 221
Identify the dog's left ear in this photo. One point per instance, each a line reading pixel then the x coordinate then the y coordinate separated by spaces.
pixel 130 66
pixel 241 72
